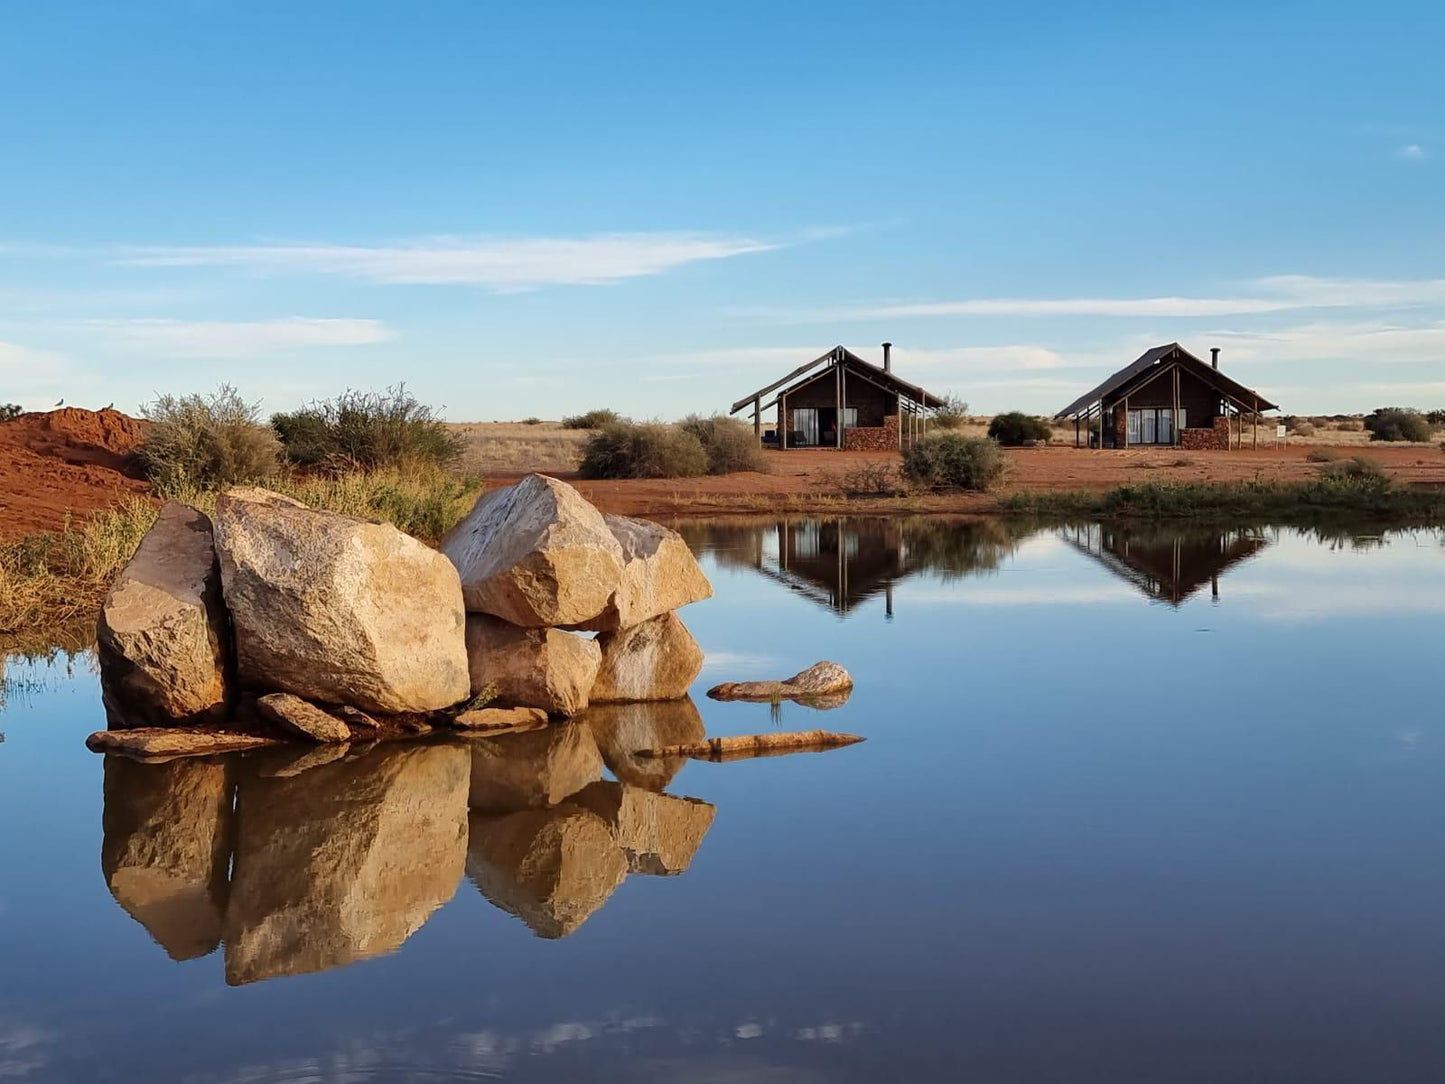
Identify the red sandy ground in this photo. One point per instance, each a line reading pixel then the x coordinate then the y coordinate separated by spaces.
pixel 65 461
pixel 74 461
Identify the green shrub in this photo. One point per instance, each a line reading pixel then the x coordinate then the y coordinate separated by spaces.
pixel 949 459
pixel 1397 423
pixel 1359 469
pixel 593 419
pixel 1014 428
pixel 10 410
pixel 730 445
pixel 532 421
pixel 370 430
pixel 1322 455
pixel 207 442
pixel 632 450
pixel 1435 417
pixel 953 414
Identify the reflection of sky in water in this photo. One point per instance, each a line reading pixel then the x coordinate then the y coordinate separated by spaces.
pixel 1091 837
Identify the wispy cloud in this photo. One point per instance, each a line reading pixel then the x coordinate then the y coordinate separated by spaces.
pixel 1410 152
pixel 1363 342
pixel 1271 294
pixel 492 263
pixel 239 338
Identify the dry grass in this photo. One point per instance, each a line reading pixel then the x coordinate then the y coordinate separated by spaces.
pixel 517 447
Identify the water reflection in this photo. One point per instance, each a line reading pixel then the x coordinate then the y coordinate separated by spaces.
pixel 1168 564
pixel 842 563
pixel 304 860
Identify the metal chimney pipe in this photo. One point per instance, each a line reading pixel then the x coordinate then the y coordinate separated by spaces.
pixel 887 357
pixel 1214 356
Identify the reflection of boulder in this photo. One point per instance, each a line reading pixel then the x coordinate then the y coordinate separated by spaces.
pixel 659 832
pixel 622 729
pixel 533 769
pixel 345 861
pixel 552 868
pixel 167 846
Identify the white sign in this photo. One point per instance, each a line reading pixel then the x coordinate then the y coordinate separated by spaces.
pixel 1279 432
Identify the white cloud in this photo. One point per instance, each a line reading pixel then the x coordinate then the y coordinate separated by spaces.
pixel 239 338
pixel 1410 152
pixel 1364 342
pixel 498 264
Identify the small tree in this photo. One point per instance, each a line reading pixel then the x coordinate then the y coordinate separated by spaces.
pixel 1397 423
pixel 1015 427
pixel 593 419
pixel 953 414
pixel 10 410
pixel 367 429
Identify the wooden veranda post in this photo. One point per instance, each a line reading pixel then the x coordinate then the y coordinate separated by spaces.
pixel 1174 425
pixel 838 409
pixel 783 421
pixel 758 420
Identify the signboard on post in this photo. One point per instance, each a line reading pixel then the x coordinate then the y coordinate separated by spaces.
pixel 1279 434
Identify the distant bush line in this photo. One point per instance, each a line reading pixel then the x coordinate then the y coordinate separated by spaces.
pixel 696 446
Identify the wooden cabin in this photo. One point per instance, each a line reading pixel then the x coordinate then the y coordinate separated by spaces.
pixel 841 401
pixel 1168 397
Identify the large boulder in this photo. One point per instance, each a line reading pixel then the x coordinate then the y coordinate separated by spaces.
pixel 659 833
pixel 659 575
pixel 163 637
pixel 345 861
pixel 338 609
pixel 532 770
pixel 531 668
pixel 552 868
pixel 622 729
pixel 656 660
pixel 536 554
pixel 166 849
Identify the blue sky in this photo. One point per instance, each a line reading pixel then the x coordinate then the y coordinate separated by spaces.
pixel 537 209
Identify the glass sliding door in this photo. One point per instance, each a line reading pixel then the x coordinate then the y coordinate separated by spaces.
pixel 1147 433
pixel 805 424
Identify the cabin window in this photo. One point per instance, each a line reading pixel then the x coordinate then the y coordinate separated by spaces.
pixel 805 423
pixel 850 417
pixel 1153 425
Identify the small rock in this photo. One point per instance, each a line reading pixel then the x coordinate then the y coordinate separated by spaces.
pixel 175 742
pixel 656 660
pixel 534 668
pixel 535 554
pixel 304 720
pixel 499 718
pixel 354 717
pixel 822 681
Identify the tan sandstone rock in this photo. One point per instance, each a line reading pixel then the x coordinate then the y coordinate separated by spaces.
pixel 826 682
pixel 297 717
pixel 622 729
pixel 533 668
pixel 163 636
pixel 659 575
pixel 552 868
pixel 536 554
pixel 170 742
pixel 659 832
pixel 345 861
pixel 532 770
pixel 484 719
pixel 168 831
pixel 338 609
pixel 656 660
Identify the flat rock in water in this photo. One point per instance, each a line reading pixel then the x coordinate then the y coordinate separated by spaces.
pixel 659 575
pixel 533 668
pixel 659 832
pixel 499 718
pixel 344 862
pixel 820 681
pixel 337 609
pixel 166 850
pixel 175 742
pixel 536 554
pixel 163 632
pixel 622 729
pixel 552 868
pixel 304 720
pixel 532 770
pixel 656 660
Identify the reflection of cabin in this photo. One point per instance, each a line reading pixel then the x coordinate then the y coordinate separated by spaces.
pixel 877 410
pixel 1166 565
pixel 1141 403
pixel 838 563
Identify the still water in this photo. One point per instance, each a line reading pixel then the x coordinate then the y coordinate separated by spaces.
pixel 1134 806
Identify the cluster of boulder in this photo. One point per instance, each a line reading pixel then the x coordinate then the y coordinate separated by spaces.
pixel 535 601
pixel 303 859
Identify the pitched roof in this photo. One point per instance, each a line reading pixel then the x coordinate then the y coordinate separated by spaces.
pixel 1138 372
pixel 841 354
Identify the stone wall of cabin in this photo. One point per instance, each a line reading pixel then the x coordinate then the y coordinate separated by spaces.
pixel 1203 440
pixel 873 438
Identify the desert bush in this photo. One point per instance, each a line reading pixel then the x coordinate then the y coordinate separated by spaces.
pixel 953 414
pixel 532 421
pixel 1015 427
pixel 1397 423
pixel 593 419
pixel 10 410
pixel 1322 455
pixel 1358 470
pixel 867 480
pixel 1350 425
pixel 370 430
pixel 634 450
pixel 730 445
pixel 206 442
pixel 1303 429
pixel 1435 417
pixel 949 459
